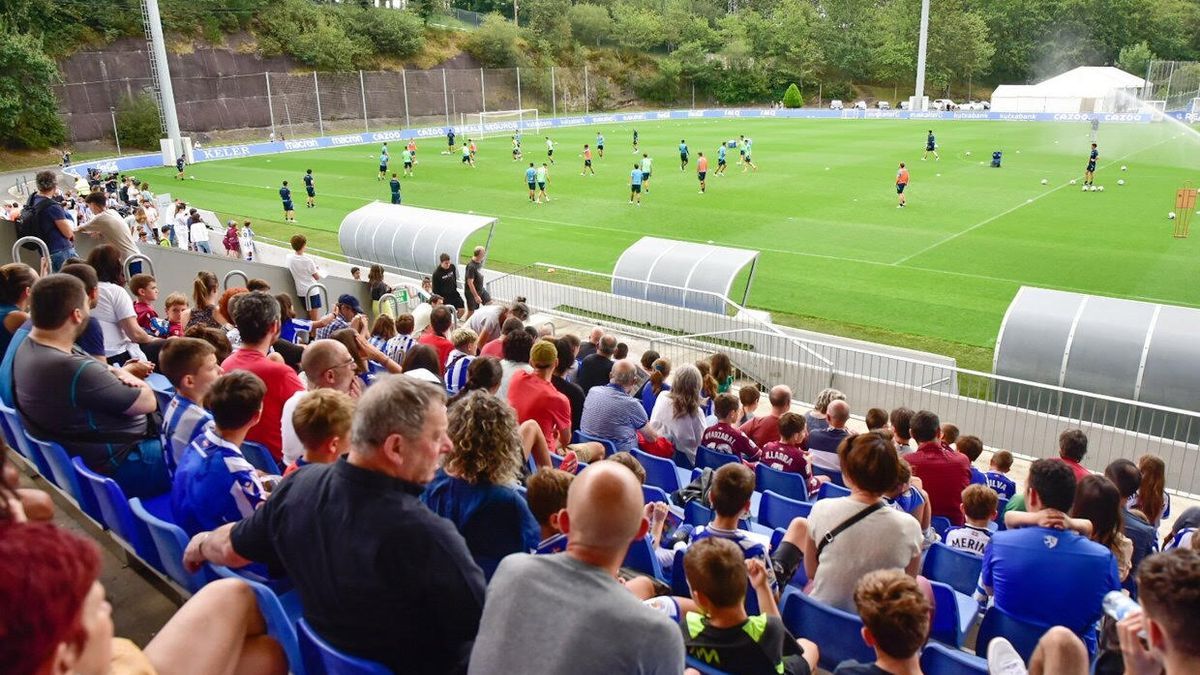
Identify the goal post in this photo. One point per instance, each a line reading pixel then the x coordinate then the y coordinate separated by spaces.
pixel 507 122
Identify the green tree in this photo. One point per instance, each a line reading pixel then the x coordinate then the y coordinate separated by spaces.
pixel 138 122
pixel 1135 58
pixel 548 21
pixel 387 31
pixel 495 43
pixel 663 84
pixel 638 28
pixel 791 97
pixel 590 23
pixel 28 108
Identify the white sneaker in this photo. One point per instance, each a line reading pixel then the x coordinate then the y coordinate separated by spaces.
pixel 1003 659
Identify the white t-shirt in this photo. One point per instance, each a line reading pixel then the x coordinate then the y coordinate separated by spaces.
pixel 508 369
pixel 198 231
pixel 969 539
pixel 684 432
pixel 303 268
pixel 293 449
pixel 486 317
pixel 182 231
pixel 113 305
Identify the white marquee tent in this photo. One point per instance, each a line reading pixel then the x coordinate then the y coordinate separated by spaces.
pixel 1086 89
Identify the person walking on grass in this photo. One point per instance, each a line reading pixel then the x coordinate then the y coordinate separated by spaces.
pixel 531 180
pixel 701 169
pixel 587 161
pixel 543 177
pixel 901 183
pixel 635 185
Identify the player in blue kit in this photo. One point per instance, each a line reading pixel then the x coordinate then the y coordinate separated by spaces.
pixel 531 181
pixel 747 159
pixel 600 145
pixel 395 185
pixel 310 189
pixel 383 162
pixel 720 161
pixel 930 146
pixel 1089 175
pixel 683 155
pixel 289 209
pixel 635 185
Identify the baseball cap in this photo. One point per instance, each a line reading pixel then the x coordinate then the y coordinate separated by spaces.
pixel 351 302
pixel 543 354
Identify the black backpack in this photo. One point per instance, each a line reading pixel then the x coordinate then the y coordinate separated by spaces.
pixel 28 224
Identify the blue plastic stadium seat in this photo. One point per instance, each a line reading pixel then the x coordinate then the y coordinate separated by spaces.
pixel 838 633
pixel 170 541
pixel 775 510
pixel 702 668
pixel 834 475
pixel 679 585
pixel 791 485
pixel 831 490
pixel 940 524
pixel 114 508
pixel 707 458
pixel 641 557
pixel 659 472
pixel 695 513
pixel 260 457
pixel 654 494
pixel 957 569
pixel 953 616
pixel 280 613
pixel 610 447
pixel 683 461
pixel 1023 635
pixel 163 390
pixel 63 473
pixel 321 658
pixel 21 442
pixel 942 660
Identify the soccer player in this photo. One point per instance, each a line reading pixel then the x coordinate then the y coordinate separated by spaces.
pixel 1095 127
pixel 683 154
pixel 383 162
pixel 412 149
pixel 600 145
pixel 930 146
pixel 471 145
pixel 747 161
pixel 289 209
pixel 543 177
pixel 720 161
pixel 310 189
pixel 587 160
pixel 901 183
pixel 406 156
pixel 1089 174
pixel 635 185
pixel 531 179
pixel 549 149
pixel 516 149
pixel 467 157
pixel 450 140
pixel 701 169
pixel 395 185
pixel 635 140
pixel 741 149
pixel 179 163
pixel 646 166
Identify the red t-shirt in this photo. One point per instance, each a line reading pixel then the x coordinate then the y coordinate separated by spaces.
pixel 281 383
pixel 944 474
pixel 494 348
pixel 441 344
pixel 1080 471
pixel 785 457
pixel 727 438
pixel 762 430
pixel 145 312
pixel 536 399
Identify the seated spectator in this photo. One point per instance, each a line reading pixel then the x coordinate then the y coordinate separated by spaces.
pixel 708 386
pixel 205 292
pixel 621 353
pixel 645 368
pixel 350 340
pixel 64 623
pixel 997 478
pixel 823 441
pixel 107 425
pixel 579 588
pixel 190 365
pixel 879 538
pixel 327 364
pixel 16 283
pixel 176 305
pixel 979 507
pixel 482 375
pixel 944 473
pixel 655 384
pixel 257 284
pixel 495 346
pixel 440 321
pixel 546 494
pixel 595 369
pixel 609 412
pixel 721 632
pixel 1128 478
pixel 896 618
pixel 214 484
pixel 1169 588
pixel 123 337
pixel 749 396
pixel 257 319
pixel 145 293
pixel 787 453
pixel 460 359
pixel 972 448
pixel 816 419
pixel 722 371
pixel 322 423
pixel 765 429
pixel 724 436
pixel 1098 501
pixel 676 415
pixel 901 423
pixel 1152 499
pixel 216 337
pixel 383 330
pixel 1072 446
pixel 1183 530
pixel 347 313
pixel 422 362
pixel 950 434
pixel 630 462
pixel 516 359
pixel 566 361
pixel 398 346
pixel 534 398
pixel 908 497
pixel 391 572
pixel 1045 575
pixel 876 419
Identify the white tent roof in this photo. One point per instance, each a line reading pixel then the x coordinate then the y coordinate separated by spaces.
pixel 1088 82
pixel 681 273
pixel 407 238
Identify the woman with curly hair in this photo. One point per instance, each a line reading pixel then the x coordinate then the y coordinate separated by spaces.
pixel 475 488
pixel 814 420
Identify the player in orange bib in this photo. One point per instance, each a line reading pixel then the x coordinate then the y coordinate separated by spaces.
pixel 901 183
pixel 701 170
pixel 587 161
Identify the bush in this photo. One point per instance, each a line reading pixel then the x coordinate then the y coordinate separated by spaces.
pixel 590 23
pixel 494 44
pixel 791 97
pixel 842 90
pixel 663 86
pixel 138 123
pixel 313 34
pixel 387 31
pixel 28 108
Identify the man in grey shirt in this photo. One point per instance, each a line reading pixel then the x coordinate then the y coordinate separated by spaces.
pixel 566 613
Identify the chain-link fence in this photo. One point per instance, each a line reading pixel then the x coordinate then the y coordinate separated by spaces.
pixel 298 104
pixel 1176 82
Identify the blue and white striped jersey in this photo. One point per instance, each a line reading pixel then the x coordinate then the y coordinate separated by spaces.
pixel 183 422
pixel 456 371
pixel 214 485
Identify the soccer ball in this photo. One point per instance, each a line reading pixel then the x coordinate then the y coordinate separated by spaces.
pixel 1121 182
pixel 1085 188
pixel 192 177
pixel 1101 188
pixel 1045 182
pixel 549 270
pixel 1171 216
pixel 968 153
pixel 939 175
pixel 1073 181
pixel 1124 168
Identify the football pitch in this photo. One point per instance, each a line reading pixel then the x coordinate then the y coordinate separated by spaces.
pixel 837 254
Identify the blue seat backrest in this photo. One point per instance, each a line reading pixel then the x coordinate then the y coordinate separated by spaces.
pixel 659 472
pixel 64 476
pixel 683 461
pixel 29 450
pixel 1023 635
pixel 957 569
pixel 697 513
pixel 170 541
pixel 702 668
pixel 610 447
pixel 707 458
pixel 775 510
pixel 114 508
pixel 641 557
pixel 260 457
pixel 940 524
pixel 837 632
pixel 953 614
pixel 792 485
pixel 320 658
pixel 281 623
pixel 831 490
pixel 834 476
pixel 654 494
pixel 942 660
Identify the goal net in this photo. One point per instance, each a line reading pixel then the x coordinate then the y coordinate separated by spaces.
pixel 508 122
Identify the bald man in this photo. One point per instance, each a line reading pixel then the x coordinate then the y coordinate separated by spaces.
pixel 567 612
pixel 823 443
pixel 765 429
pixel 611 412
pixel 327 364
pixel 593 343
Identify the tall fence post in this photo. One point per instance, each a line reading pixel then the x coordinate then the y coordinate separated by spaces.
pixel 446 96
pixel 404 83
pixel 553 95
pixel 586 109
pixel 519 88
pixel 270 105
pixel 317 93
pixel 482 93
pixel 362 86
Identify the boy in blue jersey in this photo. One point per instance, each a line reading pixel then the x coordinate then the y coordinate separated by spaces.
pixel 720 161
pixel 635 185
pixel 531 181
pixel 930 146
pixel 394 184
pixel 289 209
pixel 1089 174
pixel 311 189
pixel 191 367
pixel 997 478
pixel 460 358
pixel 683 154
pixel 214 483
pixel 383 162
pixel 546 493
pixel 972 447
pixel 600 145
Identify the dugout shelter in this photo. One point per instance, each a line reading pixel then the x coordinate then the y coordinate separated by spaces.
pixel 682 273
pixel 408 239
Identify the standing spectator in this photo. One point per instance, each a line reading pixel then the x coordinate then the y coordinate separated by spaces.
pixel 327 364
pixel 477 293
pixel 376 285
pixel 114 310
pixel 1126 476
pixel 51 222
pixel 16 284
pixel 575 395
pixel 305 274
pixel 609 411
pixel 493 321
pixel 246 242
pixel 516 359
pixel 816 419
pixel 257 318
pixel 440 321
pixel 579 588
pixel 944 473
pixel 474 489
pixel 108 226
pixel 445 283
pixel 181 233
pixel 901 420
pixel 676 415
pixel 1072 446
pixel 823 442
pixel 596 368
pixel 724 436
pixel 592 345
pixel 230 241
pixel 391 571
pixel 765 429
pixel 1098 501
pixel 198 233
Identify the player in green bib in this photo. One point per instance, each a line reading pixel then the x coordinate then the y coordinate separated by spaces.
pixel 407 157
pixel 646 165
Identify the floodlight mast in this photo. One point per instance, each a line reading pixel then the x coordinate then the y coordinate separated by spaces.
pixel 922 46
pixel 162 73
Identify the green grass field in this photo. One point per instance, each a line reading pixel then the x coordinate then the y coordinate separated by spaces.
pixel 837 255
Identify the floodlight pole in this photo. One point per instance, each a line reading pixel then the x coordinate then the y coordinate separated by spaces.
pixel 162 74
pixel 116 134
pixel 922 46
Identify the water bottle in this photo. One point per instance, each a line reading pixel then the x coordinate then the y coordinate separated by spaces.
pixel 1118 605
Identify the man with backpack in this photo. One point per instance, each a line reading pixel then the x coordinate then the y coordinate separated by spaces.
pixel 46 219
